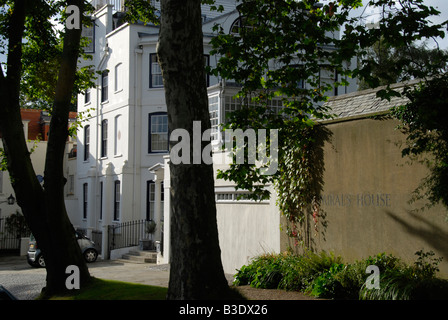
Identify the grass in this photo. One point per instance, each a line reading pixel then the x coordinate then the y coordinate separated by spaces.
pixel 100 289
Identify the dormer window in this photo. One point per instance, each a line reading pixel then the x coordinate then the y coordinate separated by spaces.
pixel 239 24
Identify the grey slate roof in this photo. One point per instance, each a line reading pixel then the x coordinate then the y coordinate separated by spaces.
pixel 364 103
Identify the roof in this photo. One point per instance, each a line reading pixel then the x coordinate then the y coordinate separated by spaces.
pixel 364 103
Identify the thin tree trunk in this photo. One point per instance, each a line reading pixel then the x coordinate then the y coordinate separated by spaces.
pixel 196 270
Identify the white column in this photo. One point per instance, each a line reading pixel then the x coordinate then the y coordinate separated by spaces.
pixel 157 205
pixel 166 212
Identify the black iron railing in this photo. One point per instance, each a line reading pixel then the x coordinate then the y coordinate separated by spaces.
pixel 10 239
pixel 127 234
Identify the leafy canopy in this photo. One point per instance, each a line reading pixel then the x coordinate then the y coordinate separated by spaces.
pixel 282 49
pixel 41 52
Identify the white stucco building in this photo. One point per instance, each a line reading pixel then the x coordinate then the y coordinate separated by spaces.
pixel 123 145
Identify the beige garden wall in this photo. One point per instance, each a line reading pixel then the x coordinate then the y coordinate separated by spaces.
pixel 365 197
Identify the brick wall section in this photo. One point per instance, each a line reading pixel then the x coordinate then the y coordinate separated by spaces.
pixel 38 123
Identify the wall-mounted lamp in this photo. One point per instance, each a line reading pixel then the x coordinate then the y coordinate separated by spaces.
pixel 11 200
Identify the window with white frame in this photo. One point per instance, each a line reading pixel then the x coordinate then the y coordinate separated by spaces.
pixel 275 105
pixel 89 33
pixel 150 199
pixel 85 194
pixel 236 26
pixel 158 133
pixel 239 24
pixel 87 96
pixel 86 142
pixel 232 104
pixel 155 77
pixel 104 138
pixel 105 86
pixel 117 197
pixel 213 109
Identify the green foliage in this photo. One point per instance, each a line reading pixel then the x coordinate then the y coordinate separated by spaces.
pixel 402 25
pixel 17 225
pixel 3 160
pixel 326 285
pixel 418 62
pixel 41 52
pixel 275 31
pixel 326 276
pixel 144 11
pixel 426 265
pixel 41 60
pixel 295 35
pixel 354 276
pixel 141 10
pixel 151 227
pixel 286 271
pixel 262 272
pixel 417 281
pixel 423 121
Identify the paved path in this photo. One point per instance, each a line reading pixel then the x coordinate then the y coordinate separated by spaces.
pixel 26 282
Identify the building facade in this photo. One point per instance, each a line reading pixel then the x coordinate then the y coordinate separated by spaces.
pixel 123 143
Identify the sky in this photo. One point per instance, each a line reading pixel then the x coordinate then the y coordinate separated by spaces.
pixel 440 5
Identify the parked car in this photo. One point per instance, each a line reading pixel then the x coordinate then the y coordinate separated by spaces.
pixel 36 259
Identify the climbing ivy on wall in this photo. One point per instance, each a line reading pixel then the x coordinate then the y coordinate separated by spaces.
pixel 300 181
pixel 294 183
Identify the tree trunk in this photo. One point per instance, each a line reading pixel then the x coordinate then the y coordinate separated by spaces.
pixel 63 249
pixel 29 193
pixel 196 270
pixel 43 208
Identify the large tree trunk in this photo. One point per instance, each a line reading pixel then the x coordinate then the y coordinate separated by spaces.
pixel 43 208
pixel 196 270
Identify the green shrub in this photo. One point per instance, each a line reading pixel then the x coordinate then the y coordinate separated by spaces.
pixel 324 275
pixel 263 272
pixel 285 271
pixel 353 276
pixel 326 284
pixel 413 282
